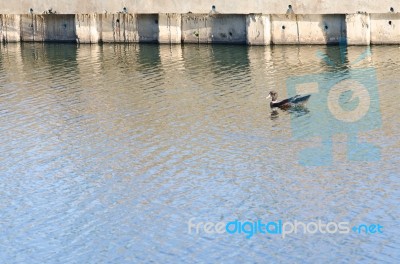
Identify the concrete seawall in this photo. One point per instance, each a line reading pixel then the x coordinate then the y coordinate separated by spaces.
pixel 359 22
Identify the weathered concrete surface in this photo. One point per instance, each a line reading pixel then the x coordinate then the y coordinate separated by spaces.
pixel 196 28
pixel 169 27
pixel 307 29
pixel 87 28
pixel 32 28
pixel 358 29
pixel 258 29
pixel 253 29
pixel 284 29
pixel 10 28
pixel 43 28
pixel 321 29
pixel 385 28
pixel 213 28
pixel 199 6
pixel 119 28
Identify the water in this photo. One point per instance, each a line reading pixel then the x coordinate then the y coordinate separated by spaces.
pixel 107 151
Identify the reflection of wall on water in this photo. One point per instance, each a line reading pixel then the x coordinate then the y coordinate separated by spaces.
pixel 171 60
pixel 196 61
pixel 129 59
pixel 230 57
pixel 89 62
pixel 61 57
pixel 149 55
pixel 261 68
pixel 46 80
pixel 11 62
pixel 386 60
pixel 230 64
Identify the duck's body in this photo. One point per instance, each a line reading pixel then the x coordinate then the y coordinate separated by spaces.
pixel 286 103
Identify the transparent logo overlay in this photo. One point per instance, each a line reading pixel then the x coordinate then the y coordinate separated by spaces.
pixel 344 101
pixel 280 228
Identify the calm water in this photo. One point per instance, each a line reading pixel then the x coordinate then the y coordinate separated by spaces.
pixel 107 152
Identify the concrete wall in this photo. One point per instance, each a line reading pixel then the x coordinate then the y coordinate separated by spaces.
pixel 87 28
pixel 10 26
pixel 307 7
pixel 359 22
pixel 358 27
pixel 118 28
pixel 385 29
pixel 258 29
pixel 214 29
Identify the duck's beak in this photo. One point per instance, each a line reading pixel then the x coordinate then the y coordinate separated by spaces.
pixel 269 96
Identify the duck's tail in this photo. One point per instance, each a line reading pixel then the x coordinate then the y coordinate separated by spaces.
pixel 300 99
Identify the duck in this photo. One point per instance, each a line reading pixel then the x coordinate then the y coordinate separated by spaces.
pixel 286 103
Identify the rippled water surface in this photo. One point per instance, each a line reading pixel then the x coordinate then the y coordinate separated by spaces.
pixel 108 151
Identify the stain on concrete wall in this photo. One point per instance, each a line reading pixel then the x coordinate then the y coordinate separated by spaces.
pixel 253 29
pixel 213 28
pixel 119 28
pixel 385 28
pixel 258 29
pixel 87 28
pixel 307 29
pixel 10 28
pixel 169 26
pixel 358 29
pixel 32 28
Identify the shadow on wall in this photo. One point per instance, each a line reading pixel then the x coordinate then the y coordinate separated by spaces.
pixel 228 29
pixel 60 28
pixel 334 28
pixel 148 28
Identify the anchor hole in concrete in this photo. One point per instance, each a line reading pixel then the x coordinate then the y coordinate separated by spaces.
pixel 283 27
pixel 124 9
pixel 390 22
pixel 213 7
pixel 230 34
pixel 391 9
pixel 326 27
pixel 31 10
pixel 290 6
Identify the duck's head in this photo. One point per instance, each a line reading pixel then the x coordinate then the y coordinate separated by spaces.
pixel 273 95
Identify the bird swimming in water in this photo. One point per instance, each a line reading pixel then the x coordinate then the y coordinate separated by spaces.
pixel 286 103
